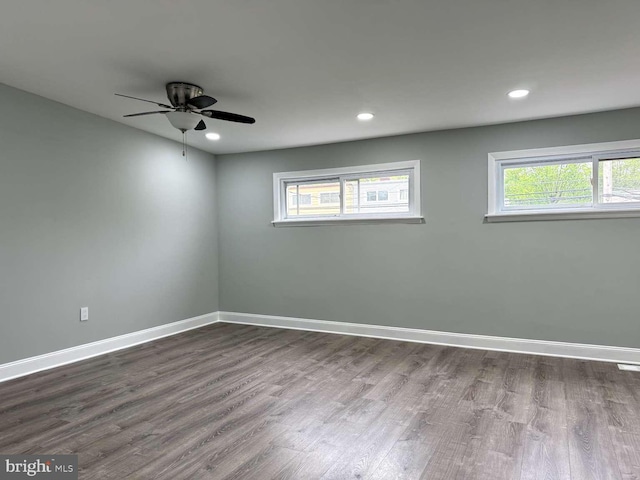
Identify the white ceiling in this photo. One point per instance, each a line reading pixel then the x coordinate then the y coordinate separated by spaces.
pixel 305 68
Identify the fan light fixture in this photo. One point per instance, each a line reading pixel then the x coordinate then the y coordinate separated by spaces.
pixel 183 121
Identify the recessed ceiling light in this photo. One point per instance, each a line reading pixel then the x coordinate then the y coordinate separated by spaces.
pixel 365 116
pixel 213 136
pixel 518 93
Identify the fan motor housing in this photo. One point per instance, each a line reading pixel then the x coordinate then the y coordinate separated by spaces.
pixel 179 93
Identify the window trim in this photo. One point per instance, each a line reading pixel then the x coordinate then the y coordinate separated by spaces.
pixel 592 152
pixel 415 205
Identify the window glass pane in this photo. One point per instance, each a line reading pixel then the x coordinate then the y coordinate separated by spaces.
pixel 292 200
pixel 329 197
pixel 548 186
pixel 619 180
pixel 380 194
pixel 312 199
pixel 351 196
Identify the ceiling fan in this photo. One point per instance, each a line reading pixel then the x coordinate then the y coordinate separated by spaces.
pixel 188 103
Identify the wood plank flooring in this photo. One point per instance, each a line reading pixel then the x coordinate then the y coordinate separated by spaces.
pixel 242 402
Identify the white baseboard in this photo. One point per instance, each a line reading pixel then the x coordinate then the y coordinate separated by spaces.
pixel 602 353
pixel 502 344
pixel 30 365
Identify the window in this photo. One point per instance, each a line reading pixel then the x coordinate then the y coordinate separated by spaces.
pixel 582 181
pixel 365 193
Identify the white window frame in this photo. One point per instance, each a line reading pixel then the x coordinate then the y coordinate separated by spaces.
pixel 414 215
pixel 592 152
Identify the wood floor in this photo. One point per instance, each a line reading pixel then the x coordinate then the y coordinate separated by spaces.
pixel 242 402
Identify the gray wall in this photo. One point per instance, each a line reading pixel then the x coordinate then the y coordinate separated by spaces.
pixel 94 213
pixel 575 281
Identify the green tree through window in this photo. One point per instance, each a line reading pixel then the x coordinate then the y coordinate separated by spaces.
pixel 567 184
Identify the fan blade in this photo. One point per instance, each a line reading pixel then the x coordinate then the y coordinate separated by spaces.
pixel 230 117
pixel 163 105
pixel 146 113
pixel 203 101
pixel 201 126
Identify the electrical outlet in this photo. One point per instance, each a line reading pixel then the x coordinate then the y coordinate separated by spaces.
pixel 629 368
pixel 84 314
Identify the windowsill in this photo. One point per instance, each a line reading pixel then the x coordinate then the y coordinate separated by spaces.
pixel 345 221
pixel 536 216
